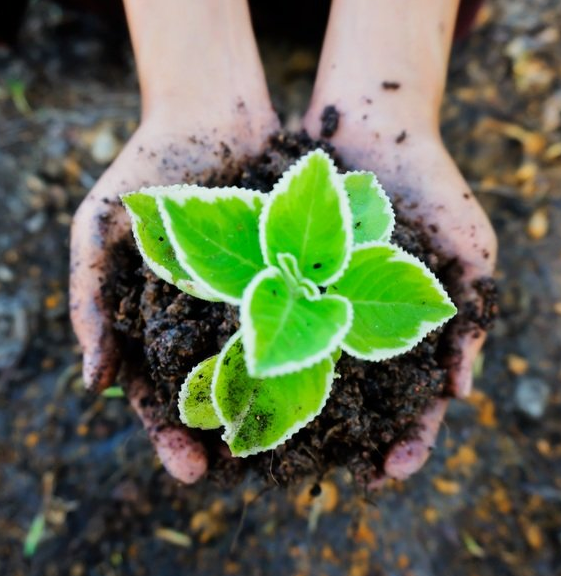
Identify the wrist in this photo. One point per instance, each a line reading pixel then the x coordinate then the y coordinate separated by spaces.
pixel 387 124
pixel 239 130
pixel 194 56
pixel 384 64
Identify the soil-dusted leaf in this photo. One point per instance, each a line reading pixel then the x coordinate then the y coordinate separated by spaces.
pixel 286 329
pixel 260 414
pixel 195 403
pixel 373 216
pixel 154 245
pixel 214 232
pixel 309 217
pixel 396 300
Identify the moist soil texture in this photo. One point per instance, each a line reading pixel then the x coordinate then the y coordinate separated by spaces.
pixel 372 405
pixel 81 493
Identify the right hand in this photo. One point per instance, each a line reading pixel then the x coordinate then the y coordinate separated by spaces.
pixel 433 194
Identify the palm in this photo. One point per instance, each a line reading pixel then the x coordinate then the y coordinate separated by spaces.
pixel 154 155
pixel 430 191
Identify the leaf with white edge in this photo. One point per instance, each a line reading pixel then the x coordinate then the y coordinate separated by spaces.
pixel 285 329
pixel 373 216
pixel 154 245
pixel 396 300
pixel 309 216
pixel 195 403
pixel 214 232
pixel 260 414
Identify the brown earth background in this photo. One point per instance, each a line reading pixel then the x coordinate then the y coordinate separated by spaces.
pixel 489 501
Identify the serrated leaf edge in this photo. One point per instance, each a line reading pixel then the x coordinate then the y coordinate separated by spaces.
pixel 187 191
pixel 248 332
pixel 388 208
pixel 210 195
pixel 229 430
pixel 281 187
pixel 158 269
pixel 136 222
pixel 426 326
pixel 185 285
pixel 184 391
pixel 194 289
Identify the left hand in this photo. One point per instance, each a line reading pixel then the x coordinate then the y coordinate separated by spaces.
pixel 419 171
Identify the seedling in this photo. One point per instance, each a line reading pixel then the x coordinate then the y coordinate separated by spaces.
pixel 314 273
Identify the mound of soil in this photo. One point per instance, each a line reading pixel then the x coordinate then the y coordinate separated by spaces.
pixel 371 406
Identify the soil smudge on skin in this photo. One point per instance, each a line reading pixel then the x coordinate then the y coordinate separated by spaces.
pixel 387 85
pixel 401 137
pixel 329 121
pixel 372 405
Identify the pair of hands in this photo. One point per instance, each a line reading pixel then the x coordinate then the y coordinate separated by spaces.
pixel 418 170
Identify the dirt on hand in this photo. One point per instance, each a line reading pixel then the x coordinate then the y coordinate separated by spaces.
pixel 371 406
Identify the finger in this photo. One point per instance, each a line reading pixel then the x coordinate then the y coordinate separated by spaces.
pixel 409 456
pixel 184 458
pixel 461 371
pixel 93 229
pixel 477 310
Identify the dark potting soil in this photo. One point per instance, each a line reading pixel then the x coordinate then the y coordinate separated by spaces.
pixel 372 405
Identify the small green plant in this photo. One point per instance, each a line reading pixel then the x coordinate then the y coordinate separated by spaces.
pixel 313 271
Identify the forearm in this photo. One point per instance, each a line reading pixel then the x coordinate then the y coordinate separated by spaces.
pixel 195 55
pixel 387 57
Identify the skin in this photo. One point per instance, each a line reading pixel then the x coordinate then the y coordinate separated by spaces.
pixel 199 39
pixel 212 44
pixel 387 81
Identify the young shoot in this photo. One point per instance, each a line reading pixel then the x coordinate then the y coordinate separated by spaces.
pixel 311 267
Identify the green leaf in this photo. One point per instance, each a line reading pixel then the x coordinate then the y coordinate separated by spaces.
pixel 298 284
pixel 214 232
pixel 336 356
pixel 113 392
pixel 34 535
pixel 309 217
pixel 262 414
pixel 195 402
pixel 396 300
pixel 17 90
pixel 373 216
pixel 153 243
pixel 285 328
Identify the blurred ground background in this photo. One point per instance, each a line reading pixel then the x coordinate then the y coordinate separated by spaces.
pixel 77 477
